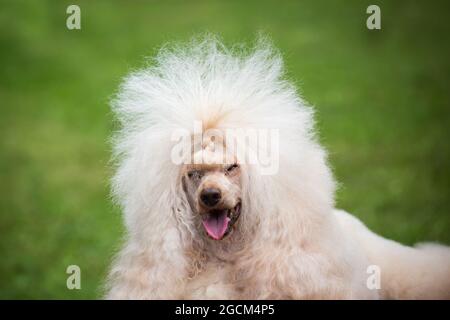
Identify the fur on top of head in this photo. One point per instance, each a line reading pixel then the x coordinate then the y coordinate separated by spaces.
pixel 222 87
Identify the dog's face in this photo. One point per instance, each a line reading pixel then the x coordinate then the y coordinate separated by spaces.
pixel 214 194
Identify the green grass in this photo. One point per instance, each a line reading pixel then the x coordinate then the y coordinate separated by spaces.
pixel 382 101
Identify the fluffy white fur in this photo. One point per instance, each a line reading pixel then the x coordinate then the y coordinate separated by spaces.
pixel 291 242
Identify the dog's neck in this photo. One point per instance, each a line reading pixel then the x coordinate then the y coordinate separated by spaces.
pixel 225 250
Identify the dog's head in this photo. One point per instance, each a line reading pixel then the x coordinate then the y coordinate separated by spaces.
pixel 214 195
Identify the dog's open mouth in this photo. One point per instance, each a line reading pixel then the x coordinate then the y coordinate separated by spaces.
pixel 218 222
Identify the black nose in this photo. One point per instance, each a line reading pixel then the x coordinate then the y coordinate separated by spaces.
pixel 210 196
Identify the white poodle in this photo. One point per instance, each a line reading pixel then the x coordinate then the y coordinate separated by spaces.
pixel 204 221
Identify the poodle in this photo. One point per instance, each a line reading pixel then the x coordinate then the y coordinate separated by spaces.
pixel 226 193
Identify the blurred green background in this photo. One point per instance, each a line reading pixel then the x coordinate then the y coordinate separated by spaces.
pixel 382 100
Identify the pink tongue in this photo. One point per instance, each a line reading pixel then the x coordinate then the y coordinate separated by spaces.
pixel 216 224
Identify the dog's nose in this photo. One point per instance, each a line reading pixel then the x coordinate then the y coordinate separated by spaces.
pixel 210 196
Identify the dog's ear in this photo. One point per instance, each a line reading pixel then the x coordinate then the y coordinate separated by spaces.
pixel 186 192
pixel 183 183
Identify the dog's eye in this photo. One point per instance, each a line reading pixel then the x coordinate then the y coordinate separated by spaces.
pixel 232 167
pixel 195 174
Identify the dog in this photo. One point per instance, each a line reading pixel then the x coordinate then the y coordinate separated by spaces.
pixel 214 225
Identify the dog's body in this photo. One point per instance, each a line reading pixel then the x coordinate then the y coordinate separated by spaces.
pixel 227 231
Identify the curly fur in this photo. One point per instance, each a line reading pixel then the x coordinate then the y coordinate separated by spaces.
pixel 291 243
